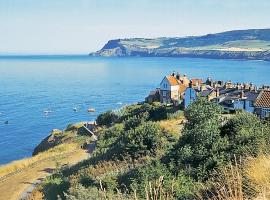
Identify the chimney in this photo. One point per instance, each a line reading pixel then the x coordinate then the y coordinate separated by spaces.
pixel 242 94
pixel 190 84
pixel 217 92
pixel 178 76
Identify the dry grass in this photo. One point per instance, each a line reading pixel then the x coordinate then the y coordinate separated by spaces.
pixel 228 184
pixel 21 164
pixel 258 172
pixel 172 126
pixel 155 191
pixel 13 186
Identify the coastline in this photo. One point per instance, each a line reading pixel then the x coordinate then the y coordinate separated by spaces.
pixel 74 147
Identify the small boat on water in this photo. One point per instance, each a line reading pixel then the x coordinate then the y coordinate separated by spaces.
pixel 75 109
pixel 46 112
pixel 6 122
pixel 91 110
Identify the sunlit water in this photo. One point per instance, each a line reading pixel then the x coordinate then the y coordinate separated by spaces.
pixel 30 85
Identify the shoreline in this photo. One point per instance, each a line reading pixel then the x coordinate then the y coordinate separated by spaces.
pixel 73 147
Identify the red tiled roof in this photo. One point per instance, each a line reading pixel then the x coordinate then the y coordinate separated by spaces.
pixel 172 80
pixel 263 99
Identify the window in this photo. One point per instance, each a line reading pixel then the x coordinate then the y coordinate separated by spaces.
pixel 164 93
pixel 251 104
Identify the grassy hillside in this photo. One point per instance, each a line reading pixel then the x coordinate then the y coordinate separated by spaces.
pixel 152 152
pixel 60 148
pixel 243 44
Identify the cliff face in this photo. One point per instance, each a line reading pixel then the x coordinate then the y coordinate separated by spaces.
pixel 54 139
pixel 243 44
pixel 71 134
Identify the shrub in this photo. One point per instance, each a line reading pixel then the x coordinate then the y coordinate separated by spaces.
pixel 247 135
pixel 145 139
pixel 107 118
pixel 201 147
pixel 55 187
pixel 134 121
pixel 156 176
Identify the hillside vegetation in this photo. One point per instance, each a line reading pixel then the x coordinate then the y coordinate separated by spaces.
pixel 242 44
pixel 152 152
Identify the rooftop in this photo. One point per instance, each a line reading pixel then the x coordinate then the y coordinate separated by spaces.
pixel 172 80
pixel 263 99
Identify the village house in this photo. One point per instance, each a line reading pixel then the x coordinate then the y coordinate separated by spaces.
pixel 190 95
pixel 175 89
pixel 172 88
pixel 262 104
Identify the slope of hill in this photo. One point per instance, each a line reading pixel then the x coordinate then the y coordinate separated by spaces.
pixel 242 44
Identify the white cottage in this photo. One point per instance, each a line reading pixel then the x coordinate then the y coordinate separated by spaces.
pixel 169 89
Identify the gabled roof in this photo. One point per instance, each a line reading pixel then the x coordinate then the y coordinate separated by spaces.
pixel 172 80
pixel 205 93
pixel 251 95
pixel 182 88
pixel 263 99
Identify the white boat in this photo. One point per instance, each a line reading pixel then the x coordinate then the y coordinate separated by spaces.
pixel 75 109
pixel 46 112
pixel 91 110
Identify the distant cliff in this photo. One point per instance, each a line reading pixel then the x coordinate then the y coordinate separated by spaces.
pixel 251 44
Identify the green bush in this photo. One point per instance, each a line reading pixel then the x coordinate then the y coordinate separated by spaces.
pixel 145 139
pixel 247 135
pixel 206 145
pixel 201 147
pixel 154 112
pixel 134 121
pixel 107 118
pixel 160 177
pixel 55 187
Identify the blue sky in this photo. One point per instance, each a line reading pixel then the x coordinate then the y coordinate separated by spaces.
pixel 82 26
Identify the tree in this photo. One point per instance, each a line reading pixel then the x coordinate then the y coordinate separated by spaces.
pixel 247 135
pixel 200 149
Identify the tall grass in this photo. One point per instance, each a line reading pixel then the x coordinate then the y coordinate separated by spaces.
pixel 258 172
pixel 155 191
pixel 228 184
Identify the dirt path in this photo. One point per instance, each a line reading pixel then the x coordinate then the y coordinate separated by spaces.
pixel 19 185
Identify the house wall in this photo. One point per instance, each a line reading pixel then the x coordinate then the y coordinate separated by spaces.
pixel 265 113
pixel 175 92
pixel 165 91
pixel 165 96
pixel 165 85
pixel 238 104
pixel 168 92
pixel 249 107
pixel 212 95
pixel 190 96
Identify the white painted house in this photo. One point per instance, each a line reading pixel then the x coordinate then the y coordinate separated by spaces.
pixel 169 89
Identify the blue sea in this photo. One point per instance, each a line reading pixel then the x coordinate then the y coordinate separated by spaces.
pixel 29 85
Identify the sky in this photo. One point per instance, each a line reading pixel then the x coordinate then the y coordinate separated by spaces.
pixel 83 26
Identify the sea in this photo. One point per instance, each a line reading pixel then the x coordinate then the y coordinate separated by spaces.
pixel 41 93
